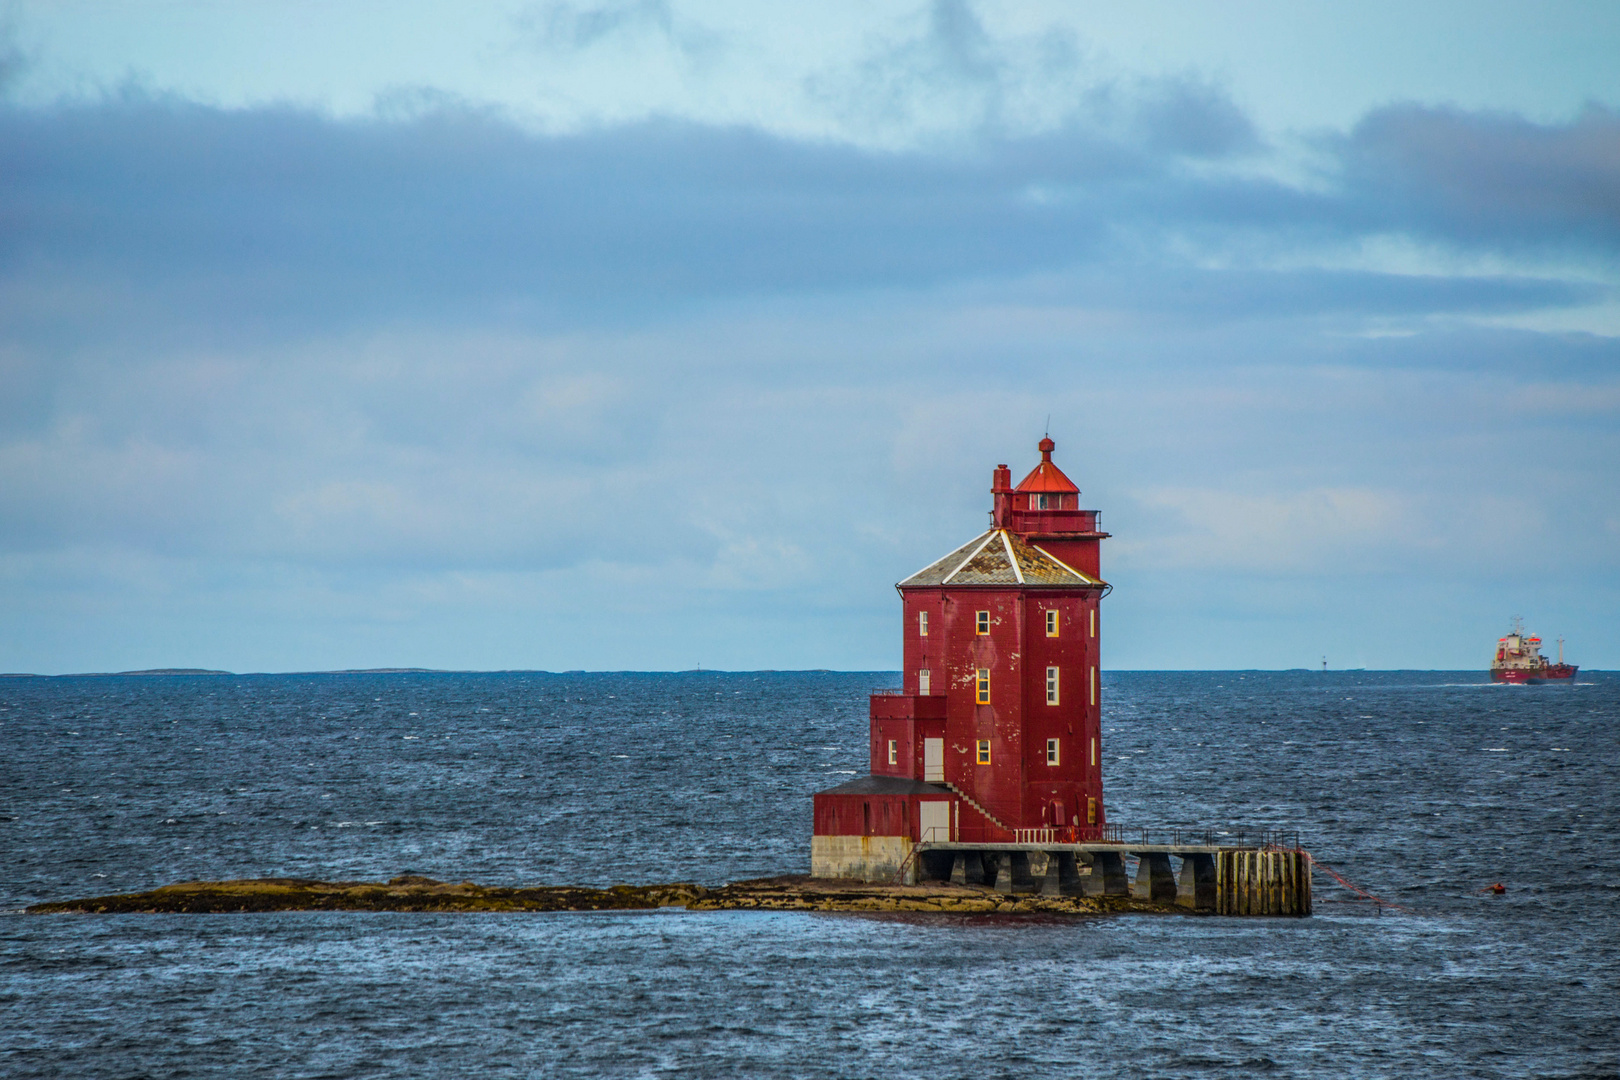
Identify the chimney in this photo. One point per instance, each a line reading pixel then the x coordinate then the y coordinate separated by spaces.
pixel 1001 488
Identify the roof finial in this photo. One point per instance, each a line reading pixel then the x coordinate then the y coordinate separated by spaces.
pixel 1047 446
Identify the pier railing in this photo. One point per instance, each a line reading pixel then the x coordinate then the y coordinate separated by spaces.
pixel 1236 837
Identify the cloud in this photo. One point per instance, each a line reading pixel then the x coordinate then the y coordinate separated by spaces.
pixel 944 80
pixel 439 371
pixel 1304 530
pixel 1488 179
pixel 270 220
pixel 14 63
pixel 561 27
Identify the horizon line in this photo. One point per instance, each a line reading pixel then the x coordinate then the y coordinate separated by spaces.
pixel 214 672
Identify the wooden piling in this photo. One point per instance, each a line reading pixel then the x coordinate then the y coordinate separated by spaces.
pixel 1249 881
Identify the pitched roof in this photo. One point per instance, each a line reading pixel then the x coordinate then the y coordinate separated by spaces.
pixel 1047 477
pixel 999 557
pixel 886 785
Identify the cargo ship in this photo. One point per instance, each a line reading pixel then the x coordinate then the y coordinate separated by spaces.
pixel 1519 660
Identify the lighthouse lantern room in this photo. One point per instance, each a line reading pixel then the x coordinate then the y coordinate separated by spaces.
pixel 994 736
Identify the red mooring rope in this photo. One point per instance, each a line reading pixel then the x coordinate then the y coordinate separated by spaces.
pixel 1358 890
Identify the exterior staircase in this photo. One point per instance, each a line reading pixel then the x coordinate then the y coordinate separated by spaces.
pixel 965 797
pixel 916 849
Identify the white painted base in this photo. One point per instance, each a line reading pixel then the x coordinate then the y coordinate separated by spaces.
pixel 867 858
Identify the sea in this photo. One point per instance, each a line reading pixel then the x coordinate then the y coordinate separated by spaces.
pixel 1421 789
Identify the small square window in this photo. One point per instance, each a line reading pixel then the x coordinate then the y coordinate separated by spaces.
pixel 1051 686
pixel 922 624
pixel 981 694
pixel 1051 623
pixel 982 623
pixel 984 751
pixel 894 752
pixel 1051 751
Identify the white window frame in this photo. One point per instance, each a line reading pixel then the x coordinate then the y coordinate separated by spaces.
pixel 1051 622
pixel 981 623
pixel 922 624
pixel 894 751
pixel 1052 686
pixel 924 681
pixel 1052 752
pixel 1093 622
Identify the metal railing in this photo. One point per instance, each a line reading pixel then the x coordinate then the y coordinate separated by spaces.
pixel 1179 836
pixel 1237 837
pixel 1058 521
pixel 1069 834
pixel 1242 836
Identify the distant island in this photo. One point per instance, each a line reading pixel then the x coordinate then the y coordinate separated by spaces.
pixel 212 671
pixel 170 671
pixel 117 674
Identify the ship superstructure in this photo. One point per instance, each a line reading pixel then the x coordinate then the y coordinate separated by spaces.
pixel 1519 659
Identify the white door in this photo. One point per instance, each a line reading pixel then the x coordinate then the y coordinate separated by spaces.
pixel 934 760
pixel 934 821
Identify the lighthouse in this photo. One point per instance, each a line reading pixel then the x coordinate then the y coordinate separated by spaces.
pixel 995 735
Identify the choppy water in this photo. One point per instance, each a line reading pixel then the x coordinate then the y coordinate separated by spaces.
pixel 1424 787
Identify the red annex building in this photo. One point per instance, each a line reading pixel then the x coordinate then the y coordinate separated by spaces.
pixel 995 735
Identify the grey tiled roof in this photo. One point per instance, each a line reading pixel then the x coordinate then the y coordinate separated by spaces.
pixel 999 557
pixel 886 785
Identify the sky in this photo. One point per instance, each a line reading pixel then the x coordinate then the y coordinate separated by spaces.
pixel 646 335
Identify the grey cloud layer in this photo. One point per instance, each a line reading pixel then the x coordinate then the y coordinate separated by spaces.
pixel 272 216
pixel 1488 179
pixel 441 373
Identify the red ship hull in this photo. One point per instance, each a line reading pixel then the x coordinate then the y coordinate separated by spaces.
pixel 1550 673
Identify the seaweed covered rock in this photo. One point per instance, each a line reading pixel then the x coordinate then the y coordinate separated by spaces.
pixel 407 892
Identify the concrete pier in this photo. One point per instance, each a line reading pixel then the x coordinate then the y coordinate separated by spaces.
pixel 1154 881
pixel 1219 880
pixel 1195 887
pixel 1107 876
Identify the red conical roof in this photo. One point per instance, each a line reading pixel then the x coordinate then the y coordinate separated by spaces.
pixel 1047 477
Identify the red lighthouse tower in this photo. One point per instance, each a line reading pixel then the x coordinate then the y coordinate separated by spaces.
pixel 995 735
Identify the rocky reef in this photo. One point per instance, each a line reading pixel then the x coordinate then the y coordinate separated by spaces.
pixel 803 893
pixel 413 892
pixel 408 892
